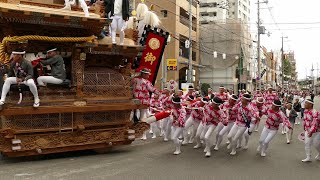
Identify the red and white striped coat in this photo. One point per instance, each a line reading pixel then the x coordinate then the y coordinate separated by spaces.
pixel 197 111
pixel 185 96
pixel 166 102
pixel 274 118
pixel 231 113
pixel 269 98
pixel 260 109
pixel 179 116
pixel 223 96
pixel 248 110
pixel 142 88
pixel 212 116
pixel 311 121
pixel 155 105
pixel 257 95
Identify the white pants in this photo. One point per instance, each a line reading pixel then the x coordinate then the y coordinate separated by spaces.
pixel 289 133
pixel 13 80
pixel 309 141
pixel 246 134
pixel 117 24
pixel 266 136
pixel 219 128
pixel 143 113
pixel 207 131
pixel 43 80
pixel 176 132
pixel 166 126
pixel 200 134
pixel 235 134
pixel 224 130
pixel 83 5
pixel 190 122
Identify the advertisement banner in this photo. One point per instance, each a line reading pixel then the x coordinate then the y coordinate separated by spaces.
pixel 172 64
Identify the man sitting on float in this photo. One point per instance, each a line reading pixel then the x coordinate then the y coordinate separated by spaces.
pixel 20 72
pixel 58 73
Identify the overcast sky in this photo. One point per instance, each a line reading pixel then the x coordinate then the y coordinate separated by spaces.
pixel 297 20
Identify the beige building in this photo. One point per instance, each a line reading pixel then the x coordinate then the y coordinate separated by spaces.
pixel 175 20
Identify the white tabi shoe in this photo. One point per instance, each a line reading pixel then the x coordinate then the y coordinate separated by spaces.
pixel 263 154
pixel 216 148
pixel 177 152
pixel 208 154
pixel 184 143
pixel 36 103
pixel 190 141
pixel 256 130
pixel 308 159
pixel 229 146
pixel 233 152
pixel 150 132
pixel 1 103
pixel 259 148
pixel 317 157
pixel 205 150
pixel 165 140
pixel 239 146
pixel 154 136
pixel 245 147
pixel 288 142
pixel 228 142
pixel 197 146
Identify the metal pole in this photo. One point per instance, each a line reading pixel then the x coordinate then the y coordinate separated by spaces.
pixel 190 42
pixel 163 80
pixel 258 47
pixel 282 62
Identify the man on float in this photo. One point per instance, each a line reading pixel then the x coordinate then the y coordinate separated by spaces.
pixel 141 89
pixel 20 72
pixel 58 72
pixel 222 94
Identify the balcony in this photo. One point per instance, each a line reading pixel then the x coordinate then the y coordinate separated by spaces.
pixel 184 19
pixel 184 52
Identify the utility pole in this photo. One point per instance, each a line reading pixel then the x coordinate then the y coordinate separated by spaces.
pixel 258 48
pixel 261 30
pixel 190 43
pixel 282 61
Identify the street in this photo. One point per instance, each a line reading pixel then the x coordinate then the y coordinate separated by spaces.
pixel 153 159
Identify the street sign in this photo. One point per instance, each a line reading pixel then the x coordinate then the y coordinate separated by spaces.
pixel 187 44
pixel 172 64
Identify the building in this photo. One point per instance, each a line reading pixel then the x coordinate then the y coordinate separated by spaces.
pixel 225 53
pixel 291 79
pixel 175 20
pixel 220 10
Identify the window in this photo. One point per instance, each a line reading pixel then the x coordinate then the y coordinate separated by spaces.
pixel 232 12
pixel 164 13
pixel 234 3
pixel 214 13
pixel 215 4
pixel 204 14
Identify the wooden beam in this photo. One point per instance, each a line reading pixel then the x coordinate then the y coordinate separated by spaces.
pixel 69 109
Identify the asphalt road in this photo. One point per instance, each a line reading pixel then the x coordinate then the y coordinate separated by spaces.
pixel 153 159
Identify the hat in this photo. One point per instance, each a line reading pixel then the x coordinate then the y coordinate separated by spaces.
pixel 257 89
pixel 269 87
pixel 260 100
pixel 205 100
pixel 190 97
pixel 19 51
pixel 277 103
pixel 145 71
pixel 234 97
pixel 247 96
pixel 180 90
pixel 190 87
pixel 310 101
pixel 176 100
pixel 50 49
pixel 221 87
pixel 217 101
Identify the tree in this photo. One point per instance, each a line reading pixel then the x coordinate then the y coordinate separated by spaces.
pixel 287 67
pixel 204 88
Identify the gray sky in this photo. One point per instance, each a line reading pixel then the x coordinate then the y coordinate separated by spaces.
pixel 300 22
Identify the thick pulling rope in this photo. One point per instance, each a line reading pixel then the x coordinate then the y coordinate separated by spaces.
pixel 4 57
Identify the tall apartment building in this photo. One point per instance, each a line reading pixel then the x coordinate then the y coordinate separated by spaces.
pixel 174 18
pixel 220 10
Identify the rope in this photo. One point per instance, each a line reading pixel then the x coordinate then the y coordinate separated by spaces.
pixel 4 57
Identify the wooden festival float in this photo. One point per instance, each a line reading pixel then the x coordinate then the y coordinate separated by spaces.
pixel 93 109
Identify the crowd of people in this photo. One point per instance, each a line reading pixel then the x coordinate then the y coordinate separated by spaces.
pixel 194 119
